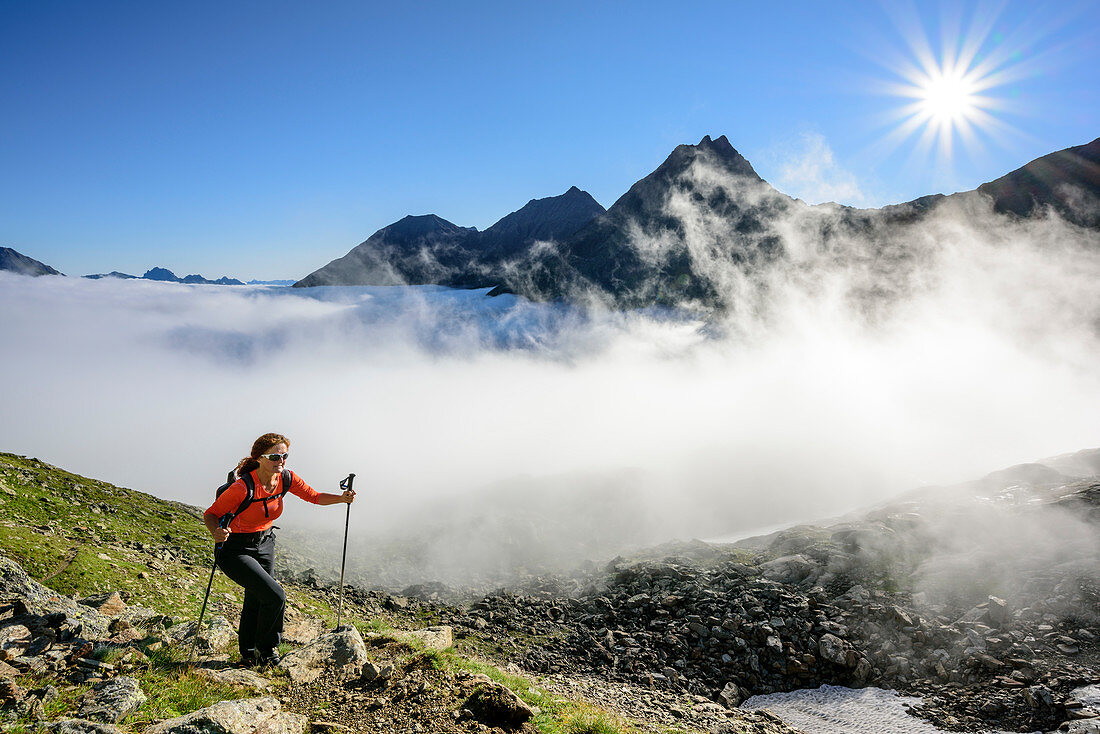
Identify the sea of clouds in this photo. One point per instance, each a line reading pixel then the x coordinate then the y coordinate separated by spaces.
pixel 809 401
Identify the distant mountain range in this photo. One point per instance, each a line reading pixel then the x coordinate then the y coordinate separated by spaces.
pixel 167 276
pixel 687 233
pixel 679 234
pixel 17 262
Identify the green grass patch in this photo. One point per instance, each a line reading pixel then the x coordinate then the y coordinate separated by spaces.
pixel 175 689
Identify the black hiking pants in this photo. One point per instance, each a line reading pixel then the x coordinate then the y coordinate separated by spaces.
pixel 248 559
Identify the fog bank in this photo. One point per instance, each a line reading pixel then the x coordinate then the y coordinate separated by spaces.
pixel 820 395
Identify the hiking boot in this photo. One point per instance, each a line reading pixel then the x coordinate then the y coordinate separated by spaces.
pixel 248 660
pixel 268 659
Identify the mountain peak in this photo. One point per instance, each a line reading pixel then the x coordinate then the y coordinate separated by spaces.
pixel 552 218
pixel 421 225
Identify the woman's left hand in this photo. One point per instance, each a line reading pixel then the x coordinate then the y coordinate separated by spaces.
pixel 348 496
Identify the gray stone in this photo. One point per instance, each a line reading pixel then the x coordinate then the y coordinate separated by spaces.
pixel 112 701
pixel 42 600
pixel 997 611
pixel 15 638
pixel 732 695
pixel 857 593
pixel 790 569
pixel 109 603
pixel 372 671
pixel 246 716
pixel 495 705
pixel 435 638
pixel 216 633
pixel 833 649
pixel 341 653
pixel 81 726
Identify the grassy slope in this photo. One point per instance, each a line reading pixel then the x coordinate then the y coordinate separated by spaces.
pixel 81 536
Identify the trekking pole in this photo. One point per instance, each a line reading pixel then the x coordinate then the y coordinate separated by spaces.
pixel 206 597
pixel 344 486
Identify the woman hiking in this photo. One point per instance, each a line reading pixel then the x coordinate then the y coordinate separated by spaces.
pixel 247 552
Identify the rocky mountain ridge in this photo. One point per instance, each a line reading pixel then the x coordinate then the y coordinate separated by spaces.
pixel 685 234
pixel 428 249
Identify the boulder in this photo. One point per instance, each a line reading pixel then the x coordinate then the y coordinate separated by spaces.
pixel 245 716
pixel 833 649
pixel 43 601
pixel 342 653
pixel 15 638
pixel 303 630
pixel 112 701
pixel 81 726
pixel 997 611
pixel 493 704
pixel 215 635
pixel 732 695
pixel 109 603
pixel 790 569
pixel 434 638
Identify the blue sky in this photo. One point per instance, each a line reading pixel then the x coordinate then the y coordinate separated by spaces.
pixel 261 140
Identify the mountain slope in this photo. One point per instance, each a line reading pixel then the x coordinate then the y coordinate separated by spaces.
pixel 17 262
pixel 413 250
pixel 1068 181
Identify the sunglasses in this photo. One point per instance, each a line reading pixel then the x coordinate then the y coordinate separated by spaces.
pixel 274 457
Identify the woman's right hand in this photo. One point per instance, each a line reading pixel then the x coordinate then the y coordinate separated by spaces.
pixel 220 534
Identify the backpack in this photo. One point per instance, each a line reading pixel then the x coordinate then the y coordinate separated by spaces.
pixel 250 494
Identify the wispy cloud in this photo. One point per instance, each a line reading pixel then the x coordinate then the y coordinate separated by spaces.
pixel 807 169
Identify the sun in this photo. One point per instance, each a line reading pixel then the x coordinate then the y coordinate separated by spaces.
pixel 946 104
pixel 954 96
pixel 949 98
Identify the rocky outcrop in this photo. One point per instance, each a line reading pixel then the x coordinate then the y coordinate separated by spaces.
pixel 339 654
pixel 112 701
pixel 493 704
pixel 246 716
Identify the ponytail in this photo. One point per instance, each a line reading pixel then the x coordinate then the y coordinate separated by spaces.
pixel 246 465
pixel 250 463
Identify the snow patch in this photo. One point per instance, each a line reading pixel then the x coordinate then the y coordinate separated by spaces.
pixel 839 710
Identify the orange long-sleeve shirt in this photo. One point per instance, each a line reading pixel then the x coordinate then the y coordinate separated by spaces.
pixel 255 518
